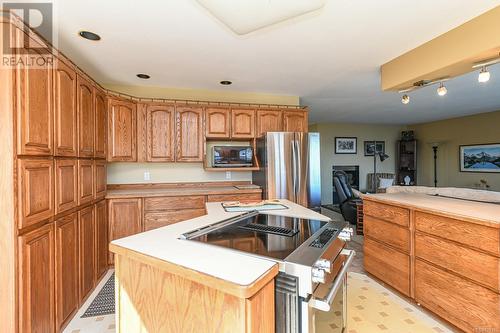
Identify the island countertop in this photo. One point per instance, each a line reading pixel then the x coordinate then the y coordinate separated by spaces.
pixel 163 247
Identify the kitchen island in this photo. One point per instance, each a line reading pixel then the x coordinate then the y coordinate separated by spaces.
pixel 165 284
pixel 443 253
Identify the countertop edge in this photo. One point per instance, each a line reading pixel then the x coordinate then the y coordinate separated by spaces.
pixel 119 194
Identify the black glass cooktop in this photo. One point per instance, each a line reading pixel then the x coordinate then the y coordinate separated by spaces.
pixel 266 235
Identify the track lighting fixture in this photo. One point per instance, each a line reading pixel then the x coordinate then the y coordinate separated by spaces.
pixel 484 75
pixel 405 99
pixel 441 91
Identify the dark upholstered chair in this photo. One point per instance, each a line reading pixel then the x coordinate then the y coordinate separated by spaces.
pixel 347 198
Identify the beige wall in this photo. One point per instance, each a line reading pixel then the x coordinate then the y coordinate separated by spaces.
pixel 364 132
pixel 476 129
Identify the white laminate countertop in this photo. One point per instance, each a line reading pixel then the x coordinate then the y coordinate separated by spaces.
pixel 219 262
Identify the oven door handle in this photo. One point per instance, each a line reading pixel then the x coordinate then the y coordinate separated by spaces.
pixel 326 303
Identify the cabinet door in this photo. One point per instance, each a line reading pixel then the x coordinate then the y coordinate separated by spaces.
pixel 295 121
pixel 35 191
pixel 85 99
pixel 100 124
pixel 65 124
pixel 189 145
pixel 124 218
pixel 35 114
pixel 66 184
pixel 86 226
pixel 101 222
pixel 67 241
pixel 217 122
pixel 269 121
pixel 100 178
pixel 242 123
pixel 160 124
pixel 36 280
pixel 85 181
pixel 122 131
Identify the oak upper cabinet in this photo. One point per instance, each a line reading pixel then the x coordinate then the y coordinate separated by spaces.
pixel 242 123
pixel 189 144
pixel 66 184
pixel 35 190
pixel 217 122
pixel 100 178
pixel 86 226
pixel 36 280
pixel 65 111
pixel 100 124
pixel 269 121
pixel 295 121
pixel 124 219
pixel 86 117
pixel 101 239
pixel 160 131
pixel 122 136
pixel 66 282
pixel 85 181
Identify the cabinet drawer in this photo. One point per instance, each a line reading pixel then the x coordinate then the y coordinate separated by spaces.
pixel 390 266
pixel 461 302
pixel 387 213
pixel 235 197
pixel 475 265
pixel 165 203
pixel 387 233
pixel 474 235
pixel 160 219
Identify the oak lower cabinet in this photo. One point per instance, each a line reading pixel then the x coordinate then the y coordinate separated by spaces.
pixel 86 117
pixel 66 184
pixel 295 121
pixel 217 122
pixel 234 197
pixel 65 111
pixel 269 121
pixel 67 242
pixel 86 226
pixel 101 239
pixel 160 133
pixel 189 124
pixel 162 211
pixel 122 131
pixel 36 280
pixel 124 219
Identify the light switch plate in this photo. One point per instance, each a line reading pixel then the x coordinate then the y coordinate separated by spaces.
pixel 228 174
pixel 147 175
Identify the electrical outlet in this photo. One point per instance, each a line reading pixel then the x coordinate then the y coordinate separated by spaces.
pixel 228 174
pixel 147 175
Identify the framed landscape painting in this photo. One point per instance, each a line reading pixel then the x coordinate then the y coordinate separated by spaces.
pixel 346 145
pixel 480 158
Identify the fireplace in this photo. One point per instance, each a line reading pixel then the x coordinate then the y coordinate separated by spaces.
pixel 352 172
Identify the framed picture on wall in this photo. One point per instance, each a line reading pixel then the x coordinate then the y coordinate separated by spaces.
pixel 369 147
pixel 480 158
pixel 346 145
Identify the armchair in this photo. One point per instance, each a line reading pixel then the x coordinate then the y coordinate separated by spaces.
pixel 347 197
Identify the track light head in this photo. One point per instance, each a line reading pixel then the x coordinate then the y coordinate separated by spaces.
pixel 441 91
pixel 484 75
pixel 405 99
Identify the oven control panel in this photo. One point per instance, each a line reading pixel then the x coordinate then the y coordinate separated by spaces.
pixel 323 239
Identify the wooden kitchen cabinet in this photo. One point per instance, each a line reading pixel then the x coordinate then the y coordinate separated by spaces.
pixel 242 123
pixel 36 280
pixel 217 122
pixel 162 211
pixel 101 239
pixel 160 132
pixel 101 127
pixel 100 178
pixel 124 219
pixel 85 181
pixel 65 111
pixel 67 268
pixel 86 226
pixel 295 121
pixel 35 191
pixel 122 135
pixel 234 197
pixel 86 117
pixel 269 121
pixel 66 184
pixel 189 124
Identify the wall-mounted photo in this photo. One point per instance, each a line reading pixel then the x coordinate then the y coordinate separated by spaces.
pixel 346 145
pixel 369 147
pixel 480 158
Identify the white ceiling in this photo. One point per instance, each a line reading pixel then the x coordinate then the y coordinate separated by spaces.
pixel 329 58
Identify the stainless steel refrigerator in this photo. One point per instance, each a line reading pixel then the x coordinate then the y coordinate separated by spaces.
pixel 290 167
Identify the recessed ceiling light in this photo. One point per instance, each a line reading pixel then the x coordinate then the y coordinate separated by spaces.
pixel 225 82
pixel 143 76
pixel 89 35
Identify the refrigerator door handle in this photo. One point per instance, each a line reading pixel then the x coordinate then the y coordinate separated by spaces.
pixel 294 170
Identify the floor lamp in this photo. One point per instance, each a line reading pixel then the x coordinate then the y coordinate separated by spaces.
pixel 383 156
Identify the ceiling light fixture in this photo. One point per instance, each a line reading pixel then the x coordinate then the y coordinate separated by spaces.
pixel 484 75
pixel 225 82
pixel 143 76
pixel 441 91
pixel 89 35
pixel 405 99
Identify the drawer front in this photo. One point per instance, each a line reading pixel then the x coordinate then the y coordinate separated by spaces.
pixel 390 266
pixel 235 197
pixel 388 233
pixel 461 302
pixel 156 219
pixel 182 202
pixel 473 235
pixel 480 267
pixel 387 213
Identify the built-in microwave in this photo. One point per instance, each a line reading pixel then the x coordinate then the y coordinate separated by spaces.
pixel 232 156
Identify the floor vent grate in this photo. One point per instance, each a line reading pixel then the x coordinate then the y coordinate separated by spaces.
pixel 104 302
